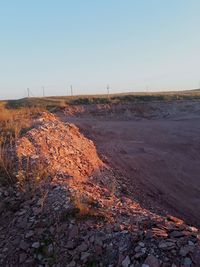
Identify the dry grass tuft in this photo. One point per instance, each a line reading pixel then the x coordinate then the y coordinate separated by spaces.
pixel 31 178
pixel 84 205
pixel 13 123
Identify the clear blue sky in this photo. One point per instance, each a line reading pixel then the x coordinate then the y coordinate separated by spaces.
pixel 130 44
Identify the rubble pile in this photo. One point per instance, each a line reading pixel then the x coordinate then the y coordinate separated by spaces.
pixel 81 217
pixel 60 148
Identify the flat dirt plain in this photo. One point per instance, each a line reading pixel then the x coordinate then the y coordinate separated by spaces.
pixel 155 148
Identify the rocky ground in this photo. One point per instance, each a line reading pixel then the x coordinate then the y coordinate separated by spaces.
pixel 77 212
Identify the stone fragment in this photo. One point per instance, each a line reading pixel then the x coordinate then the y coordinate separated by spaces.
pixel 166 245
pixel 29 234
pixel 186 250
pixel 35 245
pixel 143 250
pixel 174 219
pixel 158 232
pixel 141 244
pixel 126 262
pixel 22 257
pixel 24 245
pixel 70 244
pixel 98 241
pixel 190 243
pixel 71 264
pixel 137 248
pixel 139 255
pixel 176 234
pixel 83 247
pixel 85 256
pixel 50 250
pixel 193 229
pixel 5 250
pixel 152 261
pixel 187 262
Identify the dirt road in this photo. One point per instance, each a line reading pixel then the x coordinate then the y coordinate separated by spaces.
pixel 159 159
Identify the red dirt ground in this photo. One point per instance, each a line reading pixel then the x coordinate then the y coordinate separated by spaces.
pixel 157 157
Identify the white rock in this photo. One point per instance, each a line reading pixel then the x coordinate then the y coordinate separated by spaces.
pixel 36 245
pixel 141 244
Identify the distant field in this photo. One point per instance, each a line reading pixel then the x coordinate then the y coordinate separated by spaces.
pixel 61 101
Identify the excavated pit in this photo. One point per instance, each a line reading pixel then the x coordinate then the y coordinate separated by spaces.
pixel 154 145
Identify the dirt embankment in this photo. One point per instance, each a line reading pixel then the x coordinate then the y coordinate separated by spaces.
pixel 81 212
pixel 131 110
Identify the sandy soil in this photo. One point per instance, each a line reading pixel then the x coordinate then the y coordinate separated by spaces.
pixel 156 158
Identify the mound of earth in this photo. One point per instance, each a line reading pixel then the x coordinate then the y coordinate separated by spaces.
pixel 60 148
pixel 78 214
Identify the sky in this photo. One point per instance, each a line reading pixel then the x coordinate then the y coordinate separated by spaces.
pixel 132 45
